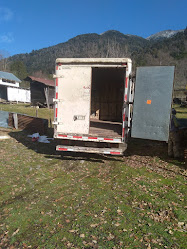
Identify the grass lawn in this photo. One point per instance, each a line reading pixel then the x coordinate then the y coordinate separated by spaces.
pixel 181 111
pixel 90 201
pixel 49 113
pixel 28 110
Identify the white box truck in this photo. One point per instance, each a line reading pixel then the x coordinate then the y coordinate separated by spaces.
pixel 97 106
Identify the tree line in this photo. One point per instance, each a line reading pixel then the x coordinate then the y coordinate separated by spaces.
pixel 111 44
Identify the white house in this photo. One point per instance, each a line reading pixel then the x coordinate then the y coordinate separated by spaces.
pixel 9 89
pixel 9 79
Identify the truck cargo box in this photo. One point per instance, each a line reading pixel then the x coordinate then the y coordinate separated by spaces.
pixel 94 103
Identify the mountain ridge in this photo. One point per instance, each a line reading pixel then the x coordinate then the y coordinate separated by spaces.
pixel 164 34
pixel 112 43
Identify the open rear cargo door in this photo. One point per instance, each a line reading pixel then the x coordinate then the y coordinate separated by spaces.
pixel 152 102
pixel 74 88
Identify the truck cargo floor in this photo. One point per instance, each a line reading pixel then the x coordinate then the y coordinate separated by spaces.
pixel 105 129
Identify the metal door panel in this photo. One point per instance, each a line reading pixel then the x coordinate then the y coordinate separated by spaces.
pixel 74 100
pixel 152 102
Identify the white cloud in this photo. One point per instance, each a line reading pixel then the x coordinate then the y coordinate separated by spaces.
pixel 6 14
pixel 6 38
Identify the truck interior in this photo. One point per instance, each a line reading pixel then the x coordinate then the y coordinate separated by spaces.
pixel 107 95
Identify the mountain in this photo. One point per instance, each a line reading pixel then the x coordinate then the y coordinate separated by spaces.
pixel 164 34
pixel 109 44
pixel 112 43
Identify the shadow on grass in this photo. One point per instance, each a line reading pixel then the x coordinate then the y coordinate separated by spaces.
pixel 135 147
pixel 49 150
pixel 151 148
pixel 22 196
pixel 182 112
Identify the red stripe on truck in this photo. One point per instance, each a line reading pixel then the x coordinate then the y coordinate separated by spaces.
pixel 56 112
pixel 56 81
pixel 63 149
pixel 56 95
pixel 126 82
pixel 115 153
pixel 123 132
pixel 85 138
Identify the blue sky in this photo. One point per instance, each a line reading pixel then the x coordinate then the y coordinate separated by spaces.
pixel 30 25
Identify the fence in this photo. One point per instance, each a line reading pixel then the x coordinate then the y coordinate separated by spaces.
pixel 23 122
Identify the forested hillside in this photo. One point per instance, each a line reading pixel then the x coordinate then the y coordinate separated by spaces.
pixel 144 52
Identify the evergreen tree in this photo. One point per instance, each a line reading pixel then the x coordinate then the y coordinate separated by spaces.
pixel 18 69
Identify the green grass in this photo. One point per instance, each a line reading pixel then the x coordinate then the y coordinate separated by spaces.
pixel 90 201
pixel 49 113
pixel 28 110
pixel 181 111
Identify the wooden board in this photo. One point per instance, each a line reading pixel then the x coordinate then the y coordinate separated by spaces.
pixel 105 129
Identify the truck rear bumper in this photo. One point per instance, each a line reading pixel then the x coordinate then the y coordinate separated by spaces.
pixel 109 151
pixel 88 138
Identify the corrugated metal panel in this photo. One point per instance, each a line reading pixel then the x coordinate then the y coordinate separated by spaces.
pixel 152 103
pixel 47 82
pixel 9 76
pixel 4 116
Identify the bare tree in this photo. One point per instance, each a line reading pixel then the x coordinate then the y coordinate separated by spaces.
pixel 113 49
pixel 4 60
pixel 39 74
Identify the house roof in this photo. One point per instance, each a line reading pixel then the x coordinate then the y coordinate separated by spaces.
pixel 46 82
pixel 9 76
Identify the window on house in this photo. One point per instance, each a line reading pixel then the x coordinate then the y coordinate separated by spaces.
pixel 8 81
